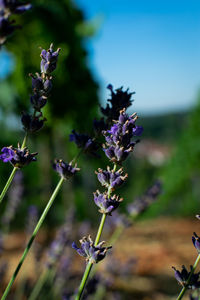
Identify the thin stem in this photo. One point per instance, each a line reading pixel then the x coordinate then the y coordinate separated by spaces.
pixel 8 183
pixel 24 141
pixel 103 218
pixel 39 224
pixel 83 281
pixel 180 296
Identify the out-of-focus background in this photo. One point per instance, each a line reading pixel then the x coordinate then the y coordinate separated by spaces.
pixel 150 47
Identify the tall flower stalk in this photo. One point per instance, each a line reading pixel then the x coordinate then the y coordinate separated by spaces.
pixel 41 87
pixel 117 148
pixel 66 171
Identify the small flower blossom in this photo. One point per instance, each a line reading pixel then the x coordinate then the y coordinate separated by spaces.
pixel 18 157
pixel 110 178
pixel 183 275
pixel 92 253
pixel 8 154
pixel 65 170
pixel 106 205
pixel 49 60
pixel 119 99
pixel 196 241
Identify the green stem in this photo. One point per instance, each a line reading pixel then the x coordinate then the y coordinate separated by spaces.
pixel 8 183
pixel 103 218
pixel 39 224
pixel 10 179
pixel 24 141
pixel 180 296
pixel 83 281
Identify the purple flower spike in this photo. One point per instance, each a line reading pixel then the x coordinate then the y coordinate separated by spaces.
pixel 65 170
pixel 196 241
pixel 106 205
pixel 92 253
pixel 8 154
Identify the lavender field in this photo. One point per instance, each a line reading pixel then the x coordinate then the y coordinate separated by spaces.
pixel 99 186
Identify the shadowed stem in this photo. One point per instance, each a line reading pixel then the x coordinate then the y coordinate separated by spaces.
pixel 10 179
pixel 180 296
pixel 39 224
pixel 98 236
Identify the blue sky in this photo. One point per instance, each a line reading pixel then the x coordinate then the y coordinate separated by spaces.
pixel 153 47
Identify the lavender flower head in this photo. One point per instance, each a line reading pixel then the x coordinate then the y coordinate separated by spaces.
pixel 119 100
pixel 92 253
pixel 119 138
pixel 41 87
pixel 106 204
pixel 65 170
pixel 49 60
pixel 111 178
pixel 183 275
pixel 17 157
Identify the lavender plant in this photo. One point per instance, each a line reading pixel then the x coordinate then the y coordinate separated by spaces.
pixel 41 87
pixel 119 144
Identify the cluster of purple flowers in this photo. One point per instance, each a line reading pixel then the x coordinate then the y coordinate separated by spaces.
pixel 41 87
pixel 7 9
pixel 65 170
pixel 119 100
pixel 92 253
pixel 18 157
pixel 119 138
